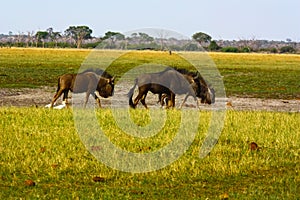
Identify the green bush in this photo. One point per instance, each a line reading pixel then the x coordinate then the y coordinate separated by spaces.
pixel 287 49
pixel 246 49
pixel 230 49
pixel 273 50
pixel 213 46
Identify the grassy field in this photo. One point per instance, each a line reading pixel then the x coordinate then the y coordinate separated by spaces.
pixel 35 67
pixel 250 75
pixel 42 145
pixel 43 157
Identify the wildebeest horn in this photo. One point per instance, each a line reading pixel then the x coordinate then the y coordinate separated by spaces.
pixel 110 80
pixel 196 77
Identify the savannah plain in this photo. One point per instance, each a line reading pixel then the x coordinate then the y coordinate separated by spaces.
pixel 42 156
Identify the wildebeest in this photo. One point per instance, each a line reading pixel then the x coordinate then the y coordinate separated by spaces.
pixel 88 81
pixel 170 82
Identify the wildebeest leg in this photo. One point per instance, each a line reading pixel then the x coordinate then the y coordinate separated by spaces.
pixel 97 99
pixel 198 103
pixel 137 99
pixel 56 96
pixel 87 98
pixel 65 97
pixel 143 100
pixel 171 102
pixel 184 100
pixel 160 99
pixel 164 100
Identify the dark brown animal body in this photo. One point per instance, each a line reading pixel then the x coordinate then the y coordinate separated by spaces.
pixel 168 82
pixel 170 76
pixel 88 82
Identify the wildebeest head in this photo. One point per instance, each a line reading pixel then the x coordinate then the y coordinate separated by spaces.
pixel 208 96
pixel 106 82
pixel 203 91
pixel 106 87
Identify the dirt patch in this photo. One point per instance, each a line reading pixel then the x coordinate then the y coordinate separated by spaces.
pixel 26 97
pixel 280 105
pixel 42 96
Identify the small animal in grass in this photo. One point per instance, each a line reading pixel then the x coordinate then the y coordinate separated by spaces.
pixel 254 147
pixel 98 179
pixel 29 183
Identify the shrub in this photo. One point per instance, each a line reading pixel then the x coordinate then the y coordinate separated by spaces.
pixel 246 49
pixel 230 49
pixel 287 49
pixel 213 46
pixel 273 50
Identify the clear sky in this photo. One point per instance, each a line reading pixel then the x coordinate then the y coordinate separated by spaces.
pixel 222 19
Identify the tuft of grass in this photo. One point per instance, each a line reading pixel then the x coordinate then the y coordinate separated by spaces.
pixel 43 146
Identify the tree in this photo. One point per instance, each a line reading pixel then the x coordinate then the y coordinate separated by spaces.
pixel 113 37
pixel 145 37
pixel 54 36
pixel 213 46
pixel 162 37
pixel 141 38
pixel 201 38
pixel 79 33
pixel 30 36
pixel 41 36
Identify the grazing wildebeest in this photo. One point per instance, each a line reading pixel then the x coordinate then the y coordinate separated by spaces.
pixel 168 82
pixel 203 91
pixel 87 81
pixel 200 89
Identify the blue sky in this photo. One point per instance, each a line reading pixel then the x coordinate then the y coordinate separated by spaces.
pixel 230 19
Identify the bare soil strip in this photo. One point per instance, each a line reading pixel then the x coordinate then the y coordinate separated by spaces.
pixel 42 96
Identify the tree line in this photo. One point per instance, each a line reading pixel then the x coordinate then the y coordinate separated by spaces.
pixel 81 37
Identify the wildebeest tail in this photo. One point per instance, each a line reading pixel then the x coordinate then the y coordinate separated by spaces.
pixel 130 95
pixel 58 84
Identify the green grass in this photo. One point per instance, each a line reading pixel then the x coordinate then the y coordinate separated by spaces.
pixel 245 75
pixel 35 67
pixel 42 145
pixel 260 75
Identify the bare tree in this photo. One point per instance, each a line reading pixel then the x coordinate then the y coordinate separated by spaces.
pixel 162 37
pixel 54 36
pixel 29 39
pixel 20 37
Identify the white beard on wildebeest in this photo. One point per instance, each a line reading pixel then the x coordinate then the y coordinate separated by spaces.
pixel 88 82
pixel 171 82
